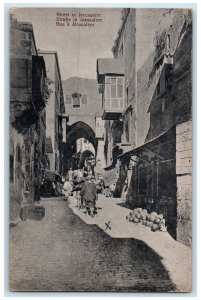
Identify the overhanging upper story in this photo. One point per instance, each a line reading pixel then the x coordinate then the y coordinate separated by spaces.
pixel 110 76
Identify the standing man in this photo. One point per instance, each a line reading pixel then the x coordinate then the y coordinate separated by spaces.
pixel 89 195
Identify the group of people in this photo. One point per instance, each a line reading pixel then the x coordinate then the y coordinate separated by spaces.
pixel 51 188
pixel 85 187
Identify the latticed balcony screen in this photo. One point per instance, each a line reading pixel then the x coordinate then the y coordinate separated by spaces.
pixel 114 93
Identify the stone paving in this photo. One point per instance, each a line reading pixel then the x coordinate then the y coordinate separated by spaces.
pixel 69 251
pixel 175 256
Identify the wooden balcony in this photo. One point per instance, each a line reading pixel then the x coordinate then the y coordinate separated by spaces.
pixel 110 75
pixel 113 108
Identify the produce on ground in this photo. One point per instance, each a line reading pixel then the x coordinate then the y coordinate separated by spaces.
pixel 152 220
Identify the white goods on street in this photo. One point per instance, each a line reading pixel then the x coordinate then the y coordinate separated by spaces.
pixel 153 220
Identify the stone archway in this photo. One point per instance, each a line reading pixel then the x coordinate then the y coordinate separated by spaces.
pixel 75 132
pixel 81 129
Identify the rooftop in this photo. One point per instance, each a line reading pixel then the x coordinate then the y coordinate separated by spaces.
pixel 106 66
pixel 25 26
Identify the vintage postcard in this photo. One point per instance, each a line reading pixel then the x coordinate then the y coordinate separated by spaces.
pixel 100 149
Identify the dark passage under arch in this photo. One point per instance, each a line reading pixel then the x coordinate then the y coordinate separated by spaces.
pixel 81 130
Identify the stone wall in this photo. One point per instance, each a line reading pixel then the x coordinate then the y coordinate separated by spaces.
pixel 126 49
pixel 51 107
pixel 183 102
pixel 184 182
pixel 54 106
pixel 21 51
pixel 88 110
pixel 27 131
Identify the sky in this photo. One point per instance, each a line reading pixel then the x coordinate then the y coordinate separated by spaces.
pixel 78 47
pixel 149 21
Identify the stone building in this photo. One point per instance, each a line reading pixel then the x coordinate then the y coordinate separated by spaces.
pixel 156 119
pixel 83 105
pixel 55 112
pixel 27 112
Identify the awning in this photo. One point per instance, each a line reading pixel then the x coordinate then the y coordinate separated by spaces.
pixel 124 147
pixel 164 138
pixel 119 149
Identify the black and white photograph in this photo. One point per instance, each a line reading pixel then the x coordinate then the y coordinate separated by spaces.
pixel 100 149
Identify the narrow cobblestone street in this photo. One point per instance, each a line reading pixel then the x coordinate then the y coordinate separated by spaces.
pixel 63 253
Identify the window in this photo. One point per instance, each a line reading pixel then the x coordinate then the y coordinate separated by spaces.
pixel 107 91
pixel 19 73
pixel 119 88
pixel 76 100
pixel 68 100
pixel 114 87
pixel 84 99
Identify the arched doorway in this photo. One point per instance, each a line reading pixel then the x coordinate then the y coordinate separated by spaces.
pixel 73 158
pixel 79 130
